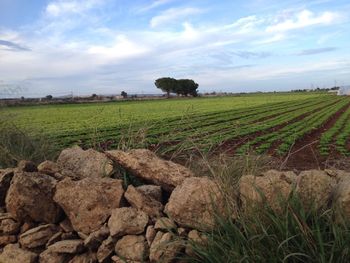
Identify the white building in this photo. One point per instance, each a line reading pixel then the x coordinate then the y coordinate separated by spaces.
pixel 344 90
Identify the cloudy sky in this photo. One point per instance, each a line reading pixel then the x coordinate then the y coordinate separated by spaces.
pixel 106 46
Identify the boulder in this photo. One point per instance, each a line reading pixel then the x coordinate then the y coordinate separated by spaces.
pixel 315 189
pixel 89 163
pixel 67 247
pixel 152 191
pixel 88 257
pixel 272 188
pixel 106 249
pixel 143 202
pixel 30 198
pixel 94 240
pixel 89 202
pixel 195 203
pixel 164 248
pixel 13 254
pixel 5 180
pixel 127 221
pixel 26 166
pixel 38 236
pixel 132 247
pixel 49 167
pixel 147 166
pixel 7 239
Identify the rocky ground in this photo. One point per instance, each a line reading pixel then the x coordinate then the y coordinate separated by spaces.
pixel 133 206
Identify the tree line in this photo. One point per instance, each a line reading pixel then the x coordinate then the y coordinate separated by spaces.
pixel 183 87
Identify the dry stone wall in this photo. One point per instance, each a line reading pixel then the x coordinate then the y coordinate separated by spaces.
pixel 79 210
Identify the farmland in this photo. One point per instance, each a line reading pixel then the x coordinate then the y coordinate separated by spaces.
pixel 265 123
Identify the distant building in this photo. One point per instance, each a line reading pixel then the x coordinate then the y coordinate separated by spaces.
pixel 344 91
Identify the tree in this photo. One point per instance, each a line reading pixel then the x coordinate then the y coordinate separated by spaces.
pixel 49 97
pixel 167 85
pixel 124 94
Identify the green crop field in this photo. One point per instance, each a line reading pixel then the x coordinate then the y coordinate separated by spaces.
pixel 271 123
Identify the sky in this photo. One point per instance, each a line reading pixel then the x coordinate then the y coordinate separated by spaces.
pixel 60 47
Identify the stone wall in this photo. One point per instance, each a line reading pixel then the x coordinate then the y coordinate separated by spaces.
pixel 82 209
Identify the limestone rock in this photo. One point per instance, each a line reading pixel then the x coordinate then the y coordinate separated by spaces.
pixel 315 188
pixel 132 247
pixel 150 168
pixel 7 239
pixel 89 163
pixel 13 254
pixel 89 202
pixel 87 257
pixel 106 250
pixel 49 167
pixel 150 234
pixel 271 188
pixel 127 221
pixel 30 197
pixel 67 247
pixel 94 240
pixel 164 248
pixel 153 191
pixel 191 204
pixel 38 236
pixel 5 180
pixel 165 224
pixel 143 202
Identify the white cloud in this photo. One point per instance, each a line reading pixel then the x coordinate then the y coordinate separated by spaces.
pixel 173 14
pixel 304 18
pixel 153 5
pixel 62 7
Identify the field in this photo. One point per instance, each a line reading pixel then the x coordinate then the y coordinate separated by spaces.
pixel 277 123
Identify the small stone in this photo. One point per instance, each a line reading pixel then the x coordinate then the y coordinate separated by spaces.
pixel 153 191
pixel 13 254
pixel 181 232
pixel 27 166
pixel 116 259
pixel 66 225
pixel 5 180
pixel 94 240
pixel 195 239
pixel 26 226
pixel 132 247
pixel 165 224
pixel 55 238
pixel 88 257
pixel 38 236
pixel 49 257
pixel 150 234
pixel 164 248
pixel 67 246
pixel 106 250
pixel 127 220
pixel 9 226
pixel 7 239
pixel 49 167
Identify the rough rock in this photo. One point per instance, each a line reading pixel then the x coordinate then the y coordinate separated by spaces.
pixel 150 234
pixel 66 225
pixel 271 188
pixel 67 247
pixel 38 236
pixel 143 202
pixel 94 240
pixel 49 257
pixel 116 259
pixel 149 167
pixel 152 191
pixel 338 175
pixel 5 180
pixel 315 189
pixel 30 197
pixel 13 254
pixel 49 167
pixel 191 204
pixel 26 166
pixel 164 248
pixel 55 238
pixel 181 232
pixel 26 226
pixel 132 247
pixel 89 202
pixel 89 163
pixel 88 257
pixel 165 224
pixel 341 204
pixel 106 250
pixel 127 221
pixel 9 226
pixel 7 239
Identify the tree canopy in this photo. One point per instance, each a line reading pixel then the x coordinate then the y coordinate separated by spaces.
pixel 183 87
